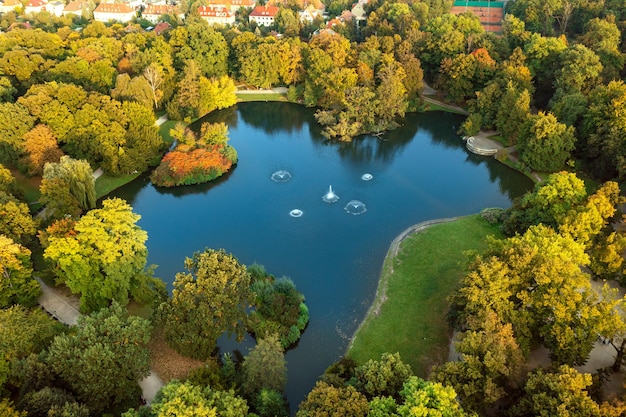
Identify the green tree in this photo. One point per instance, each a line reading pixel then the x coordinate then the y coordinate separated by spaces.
pixel 207 301
pixel 384 377
pixel 544 143
pixel 264 368
pixel 198 41
pixel 17 284
pixel 104 359
pixel 23 332
pixel 68 187
pixel 327 400
pixel 104 258
pixel 603 131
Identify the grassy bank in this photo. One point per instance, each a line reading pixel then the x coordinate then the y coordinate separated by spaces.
pixel 262 97
pixel 105 184
pixel 412 317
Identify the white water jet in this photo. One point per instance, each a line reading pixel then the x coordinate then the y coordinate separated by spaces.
pixel 330 196
pixel 281 176
pixel 296 213
pixel 355 207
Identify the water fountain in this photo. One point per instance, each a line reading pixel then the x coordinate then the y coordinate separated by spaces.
pixel 367 177
pixel 355 207
pixel 281 176
pixel 296 213
pixel 330 196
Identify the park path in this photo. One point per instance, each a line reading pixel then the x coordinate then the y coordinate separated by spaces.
pixel 276 90
pixel 62 309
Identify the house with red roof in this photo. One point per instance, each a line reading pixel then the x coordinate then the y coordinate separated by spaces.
pixel 217 15
pixel 153 12
pixel 119 12
pixel 263 15
pixel 161 27
pixel 35 6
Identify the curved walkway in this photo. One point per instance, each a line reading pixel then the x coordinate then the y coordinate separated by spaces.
pixel 61 309
pixel 387 270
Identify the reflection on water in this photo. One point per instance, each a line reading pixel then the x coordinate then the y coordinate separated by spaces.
pixel 418 172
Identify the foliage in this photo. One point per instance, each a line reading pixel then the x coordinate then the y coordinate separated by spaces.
pixel 327 400
pixel 68 187
pixel 187 400
pixel 429 398
pixel 270 403
pixel 196 160
pixel 15 122
pixel 23 332
pixel 40 147
pixel 491 361
pixel 264 368
pixel 6 409
pixel 278 308
pixel 548 204
pixel 383 378
pixel 50 402
pixel 545 144
pixel 104 257
pixel 17 284
pixel 208 300
pixel 560 393
pixel 103 360
pixel 16 221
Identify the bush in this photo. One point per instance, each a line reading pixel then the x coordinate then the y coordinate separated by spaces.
pixel 493 214
pixel 192 167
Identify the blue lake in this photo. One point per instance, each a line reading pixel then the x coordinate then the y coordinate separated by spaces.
pixel 420 171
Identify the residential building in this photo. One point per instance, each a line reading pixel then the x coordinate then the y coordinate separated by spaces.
pixel 153 12
pixel 232 5
pixel 113 11
pixel 217 15
pixel 263 15
pixel 10 5
pixel 76 7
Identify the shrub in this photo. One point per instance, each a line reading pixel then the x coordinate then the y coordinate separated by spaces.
pixel 493 214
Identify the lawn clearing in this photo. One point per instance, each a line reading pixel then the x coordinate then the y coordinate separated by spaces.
pixel 411 319
pixel 262 97
pixel 105 184
pixel 164 130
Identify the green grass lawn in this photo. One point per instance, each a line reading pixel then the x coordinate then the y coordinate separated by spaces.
pixel 29 186
pixel 262 97
pixel 164 131
pixel 425 273
pixel 105 184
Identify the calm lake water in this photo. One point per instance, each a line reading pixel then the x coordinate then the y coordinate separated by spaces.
pixel 418 172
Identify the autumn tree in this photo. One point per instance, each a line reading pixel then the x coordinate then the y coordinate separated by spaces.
pixel 15 122
pixel 328 400
pixel 40 147
pixel 16 221
pixel 184 399
pixel 104 359
pixel 17 284
pixel 421 398
pixel 68 187
pixel 208 300
pixel 549 203
pixel 560 393
pixel 104 258
pixel 491 361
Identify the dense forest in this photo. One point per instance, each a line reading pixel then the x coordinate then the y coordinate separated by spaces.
pixel 78 96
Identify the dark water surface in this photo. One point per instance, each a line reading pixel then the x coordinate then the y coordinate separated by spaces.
pixel 420 171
